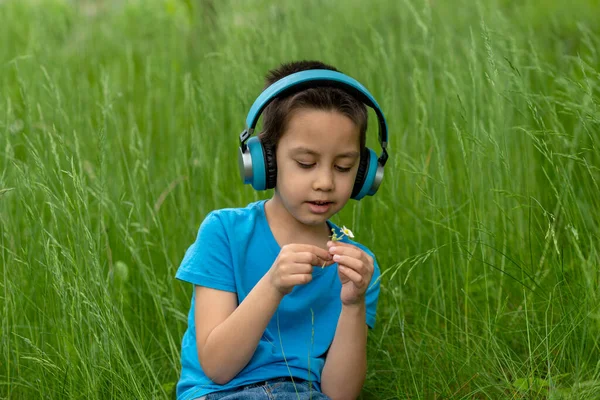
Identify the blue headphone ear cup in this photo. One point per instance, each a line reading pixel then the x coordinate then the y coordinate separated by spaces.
pixel 361 173
pixel 263 165
pixel 271 163
pixel 257 155
pixel 367 180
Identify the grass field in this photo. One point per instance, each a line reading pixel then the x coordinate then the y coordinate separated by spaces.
pixel 118 133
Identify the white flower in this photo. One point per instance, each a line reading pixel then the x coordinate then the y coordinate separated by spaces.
pixel 347 232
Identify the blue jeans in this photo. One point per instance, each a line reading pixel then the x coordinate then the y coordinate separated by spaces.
pixel 273 389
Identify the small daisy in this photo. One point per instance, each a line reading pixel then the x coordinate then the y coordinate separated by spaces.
pixel 334 237
pixel 347 232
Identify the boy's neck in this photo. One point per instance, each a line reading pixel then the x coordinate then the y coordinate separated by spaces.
pixel 287 230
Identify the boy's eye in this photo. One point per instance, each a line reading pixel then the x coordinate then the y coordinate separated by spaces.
pixel 306 166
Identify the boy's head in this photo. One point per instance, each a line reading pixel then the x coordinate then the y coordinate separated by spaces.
pixel 278 113
pixel 316 136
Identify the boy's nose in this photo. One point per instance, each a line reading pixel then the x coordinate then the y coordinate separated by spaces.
pixel 324 181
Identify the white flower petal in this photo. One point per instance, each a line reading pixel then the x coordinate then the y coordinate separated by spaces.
pixel 347 232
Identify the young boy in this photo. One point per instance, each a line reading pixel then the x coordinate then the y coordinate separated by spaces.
pixel 279 310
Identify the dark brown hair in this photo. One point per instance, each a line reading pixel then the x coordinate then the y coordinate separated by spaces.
pixel 278 113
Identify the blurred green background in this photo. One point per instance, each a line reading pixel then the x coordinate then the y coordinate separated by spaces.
pixel 119 130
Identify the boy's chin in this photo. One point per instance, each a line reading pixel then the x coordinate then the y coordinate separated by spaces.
pixel 314 220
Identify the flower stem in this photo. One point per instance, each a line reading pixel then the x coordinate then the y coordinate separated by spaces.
pixel 334 238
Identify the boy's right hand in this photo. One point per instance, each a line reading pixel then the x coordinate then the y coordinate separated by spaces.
pixel 294 266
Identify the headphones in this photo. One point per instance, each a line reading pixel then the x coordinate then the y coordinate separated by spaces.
pixel 257 162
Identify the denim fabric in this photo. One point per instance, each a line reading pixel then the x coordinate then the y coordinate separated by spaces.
pixel 274 389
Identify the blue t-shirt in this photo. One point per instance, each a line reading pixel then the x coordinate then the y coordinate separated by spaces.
pixel 233 250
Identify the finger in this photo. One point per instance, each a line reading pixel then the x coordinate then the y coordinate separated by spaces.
pixel 353 251
pixel 307 268
pixel 301 268
pixel 346 251
pixel 324 263
pixel 338 243
pixel 327 261
pixel 354 276
pixel 319 252
pixel 296 279
pixel 351 263
pixel 311 258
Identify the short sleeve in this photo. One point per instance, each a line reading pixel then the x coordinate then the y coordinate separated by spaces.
pixel 207 262
pixel 372 296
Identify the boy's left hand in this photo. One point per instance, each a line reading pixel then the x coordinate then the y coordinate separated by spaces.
pixel 355 268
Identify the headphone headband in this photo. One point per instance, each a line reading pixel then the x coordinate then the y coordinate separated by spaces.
pixel 315 78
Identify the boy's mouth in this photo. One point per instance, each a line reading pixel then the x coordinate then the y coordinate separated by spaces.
pixel 320 203
pixel 319 207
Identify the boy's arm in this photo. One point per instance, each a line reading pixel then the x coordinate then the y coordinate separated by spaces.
pixel 229 334
pixel 345 367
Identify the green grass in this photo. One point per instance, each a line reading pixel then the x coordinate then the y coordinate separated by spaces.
pixel 118 134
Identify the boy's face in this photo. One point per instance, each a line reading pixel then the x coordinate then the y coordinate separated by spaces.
pixel 317 160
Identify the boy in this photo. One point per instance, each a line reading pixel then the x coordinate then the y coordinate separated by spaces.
pixel 278 309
